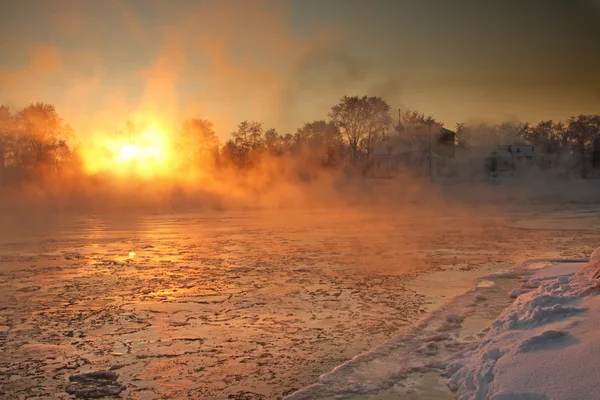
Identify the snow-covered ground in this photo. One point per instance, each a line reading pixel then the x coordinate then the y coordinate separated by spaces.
pixel 544 346
pixel 515 335
pixel 410 365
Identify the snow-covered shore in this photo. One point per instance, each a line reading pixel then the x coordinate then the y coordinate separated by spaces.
pixel 543 346
pixel 411 364
pixel 493 342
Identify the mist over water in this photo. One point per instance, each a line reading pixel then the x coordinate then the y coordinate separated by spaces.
pixel 260 292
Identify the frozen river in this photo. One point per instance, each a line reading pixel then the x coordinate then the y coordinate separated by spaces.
pixel 241 305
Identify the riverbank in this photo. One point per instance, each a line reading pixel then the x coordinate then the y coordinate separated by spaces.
pixel 488 344
pixel 544 346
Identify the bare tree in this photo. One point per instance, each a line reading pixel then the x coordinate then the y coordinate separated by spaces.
pixel 513 132
pixel 273 142
pixel 486 134
pixel 549 136
pixel 583 130
pixel 323 139
pixel 461 140
pixel 198 139
pixel 361 119
pixel 247 140
pixel 40 129
pixel 418 127
pixel 6 136
pixel 289 143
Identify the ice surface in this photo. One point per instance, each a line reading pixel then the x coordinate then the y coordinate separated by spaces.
pixel 557 270
pixel 544 346
pixel 236 305
pixel 454 318
pixel 417 354
pixel 517 292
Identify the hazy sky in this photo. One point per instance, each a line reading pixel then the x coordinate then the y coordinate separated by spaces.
pixel 286 62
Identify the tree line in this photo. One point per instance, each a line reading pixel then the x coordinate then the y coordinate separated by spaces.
pixel 35 141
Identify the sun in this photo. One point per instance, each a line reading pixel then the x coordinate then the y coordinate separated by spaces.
pixel 148 151
pixel 145 153
pixel 128 152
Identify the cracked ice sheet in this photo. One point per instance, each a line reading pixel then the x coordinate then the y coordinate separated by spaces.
pixel 218 307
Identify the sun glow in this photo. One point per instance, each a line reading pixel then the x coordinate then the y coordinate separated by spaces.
pixel 128 152
pixel 144 153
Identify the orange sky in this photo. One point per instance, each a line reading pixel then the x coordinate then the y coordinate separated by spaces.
pixel 286 62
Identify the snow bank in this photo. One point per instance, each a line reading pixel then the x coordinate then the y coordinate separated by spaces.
pixel 411 364
pixel 544 346
pixel 541 347
pixel 592 270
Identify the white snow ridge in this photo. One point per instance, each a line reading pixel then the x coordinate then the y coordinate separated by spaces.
pixel 541 346
pixel 544 346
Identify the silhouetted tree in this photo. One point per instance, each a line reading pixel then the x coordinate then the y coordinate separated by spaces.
pixel 432 124
pixel 361 119
pixel 40 131
pixel 547 135
pixel 246 143
pixel 198 140
pixel 583 131
pixel 460 132
pixel 6 138
pixel 289 143
pixel 273 142
pixel 412 118
pixel 35 139
pixel 323 139
pixel 418 127
pixel 596 152
pixel 485 134
pixel 512 132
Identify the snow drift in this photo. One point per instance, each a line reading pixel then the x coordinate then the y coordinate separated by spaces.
pixel 544 346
